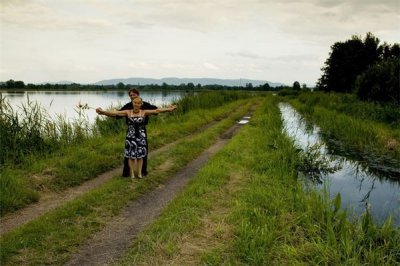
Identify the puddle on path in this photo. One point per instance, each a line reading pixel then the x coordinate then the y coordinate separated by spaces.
pixel 244 120
pixel 359 188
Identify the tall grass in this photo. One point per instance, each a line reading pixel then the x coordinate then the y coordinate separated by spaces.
pixel 15 192
pixel 30 130
pixel 209 99
pixel 349 104
pixel 28 135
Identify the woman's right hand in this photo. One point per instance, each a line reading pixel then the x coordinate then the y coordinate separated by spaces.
pixel 99 110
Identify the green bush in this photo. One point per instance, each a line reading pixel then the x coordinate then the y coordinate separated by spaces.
pixel 380 83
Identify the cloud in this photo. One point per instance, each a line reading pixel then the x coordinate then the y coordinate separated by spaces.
pixel 35 15
pixel 304 58
pixel 220 38
pixel 321 21
pixel 297 19
pixel 139 24
pixel 211 66
pixel 8 3
pixel 246 55
pixel 141 65
pixel 84 68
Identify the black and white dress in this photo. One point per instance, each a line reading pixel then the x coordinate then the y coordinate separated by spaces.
pixel 136 139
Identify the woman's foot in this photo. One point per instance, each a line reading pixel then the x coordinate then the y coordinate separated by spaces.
pixel 140 177
pixel 133 177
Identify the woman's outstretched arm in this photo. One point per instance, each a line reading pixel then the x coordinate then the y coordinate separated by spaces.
pixel 111 113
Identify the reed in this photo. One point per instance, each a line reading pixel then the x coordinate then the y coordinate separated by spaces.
pixel 30 130
pixel 349 104
pixel 314 164
pixel 210 99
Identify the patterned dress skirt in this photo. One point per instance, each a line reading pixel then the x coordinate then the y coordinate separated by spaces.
pixel 136 139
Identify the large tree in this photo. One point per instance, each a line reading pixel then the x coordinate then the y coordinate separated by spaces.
pixel 11 84
pixel 347 60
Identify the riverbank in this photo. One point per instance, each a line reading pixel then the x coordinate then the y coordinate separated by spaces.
pixel 367 132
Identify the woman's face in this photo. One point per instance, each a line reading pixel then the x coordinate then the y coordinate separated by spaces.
pixel 137 102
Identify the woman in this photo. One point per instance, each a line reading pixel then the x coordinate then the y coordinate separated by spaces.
pixel 133 92
pixel 136 139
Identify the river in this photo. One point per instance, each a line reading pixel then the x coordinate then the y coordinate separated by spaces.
pixel 359 188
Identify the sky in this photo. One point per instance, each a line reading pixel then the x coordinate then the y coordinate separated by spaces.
pixel 86 41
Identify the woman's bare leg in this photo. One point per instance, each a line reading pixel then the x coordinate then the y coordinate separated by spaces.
pixel 132 167
pixel 140 164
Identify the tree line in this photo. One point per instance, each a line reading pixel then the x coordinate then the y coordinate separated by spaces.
pixel 20 85
pixel 365 67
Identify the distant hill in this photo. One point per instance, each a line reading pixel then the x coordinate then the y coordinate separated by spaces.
pixel 195 81
pixel 66 82
pixel 62 82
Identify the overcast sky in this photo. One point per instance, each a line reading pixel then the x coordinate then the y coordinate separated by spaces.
pixel 90 40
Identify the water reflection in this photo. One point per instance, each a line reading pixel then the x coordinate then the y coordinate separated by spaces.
pixel 244 120
pixel 383 167
pixel 360 188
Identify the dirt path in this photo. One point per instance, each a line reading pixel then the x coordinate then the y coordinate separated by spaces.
pixel 52 200
pixel 108 245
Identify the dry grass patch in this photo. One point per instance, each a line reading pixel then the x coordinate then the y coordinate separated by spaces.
pixel 214 232
pixel 164 167
pixel 42 180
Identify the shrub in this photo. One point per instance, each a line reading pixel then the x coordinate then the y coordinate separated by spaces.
pixel 380 83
